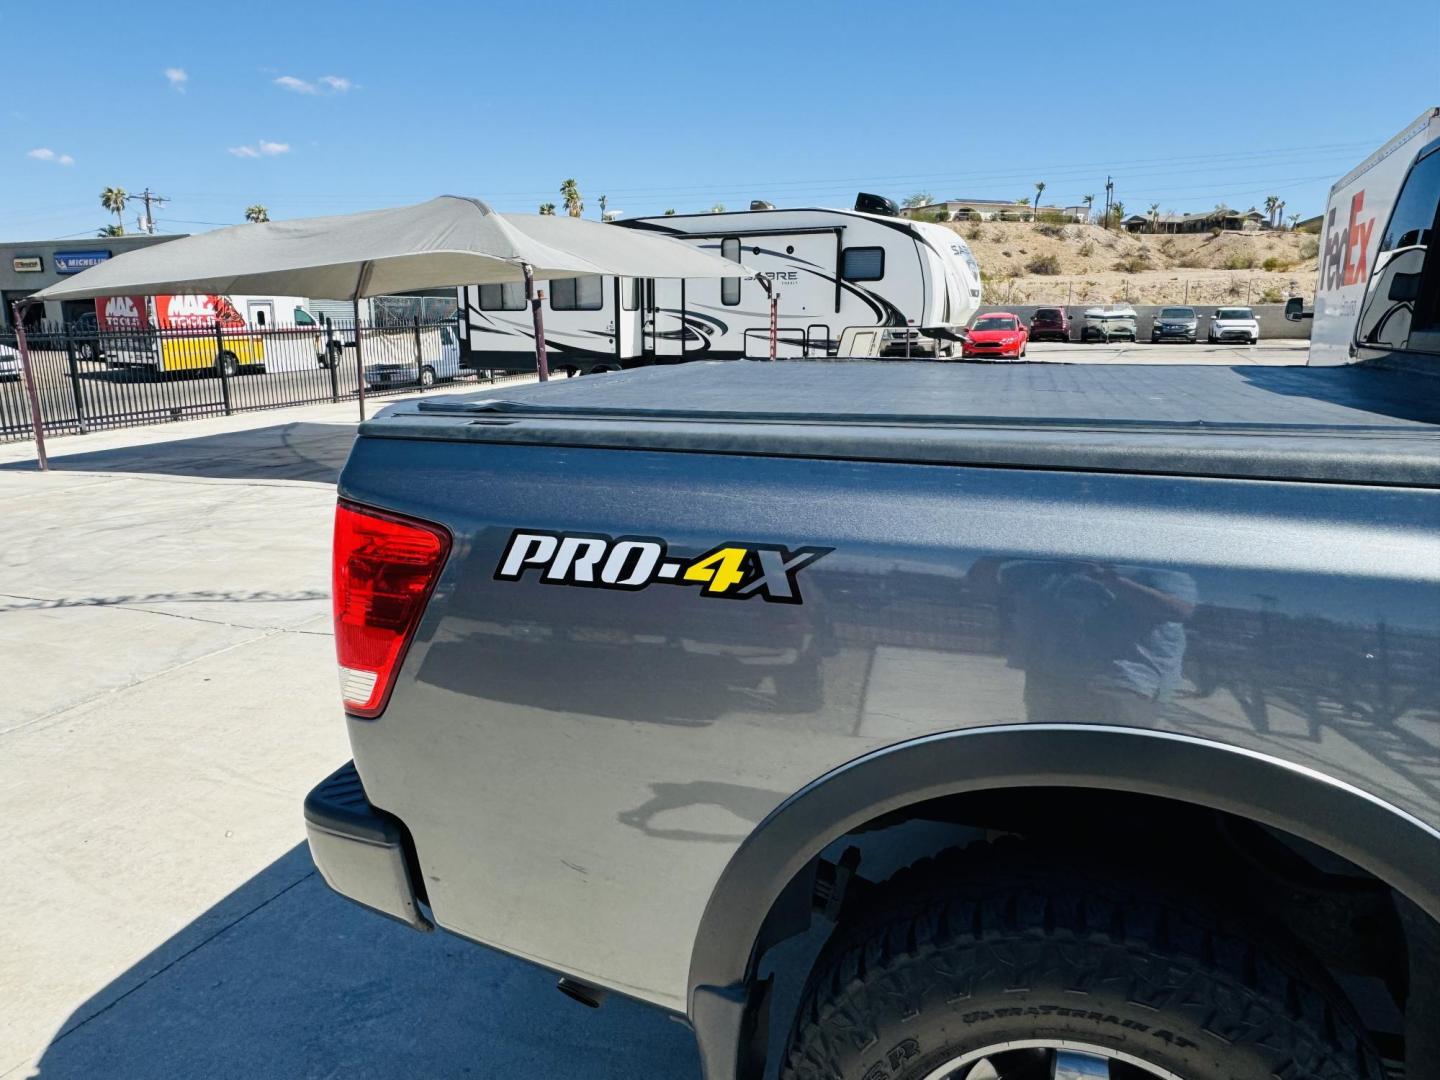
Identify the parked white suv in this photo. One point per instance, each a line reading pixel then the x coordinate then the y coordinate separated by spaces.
pixel 1234 324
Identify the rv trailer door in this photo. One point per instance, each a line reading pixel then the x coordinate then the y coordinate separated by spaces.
pixel 668 317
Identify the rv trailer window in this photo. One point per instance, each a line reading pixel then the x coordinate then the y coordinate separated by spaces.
pixel 507 297
pixel 730 286
pixel 629 293
pixel 863 264
pixel 577 294
pixel 1403 298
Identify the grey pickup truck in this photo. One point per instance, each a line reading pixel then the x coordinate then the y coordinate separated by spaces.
pixel 1061 721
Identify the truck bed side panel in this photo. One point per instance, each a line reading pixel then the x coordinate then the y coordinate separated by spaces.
pixel 577 765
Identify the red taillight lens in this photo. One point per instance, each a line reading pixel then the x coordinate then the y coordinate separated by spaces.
pixel 385 567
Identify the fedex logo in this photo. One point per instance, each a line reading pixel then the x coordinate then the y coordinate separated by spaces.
pixel 1346 247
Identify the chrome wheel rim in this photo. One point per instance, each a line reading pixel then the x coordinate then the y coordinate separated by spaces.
pixel 1048 1059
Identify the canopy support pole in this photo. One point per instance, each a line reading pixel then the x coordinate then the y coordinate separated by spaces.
pixel 360 283
pixel 542 362
pixel 37 419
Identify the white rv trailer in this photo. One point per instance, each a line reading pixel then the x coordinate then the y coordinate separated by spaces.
pixel 832 270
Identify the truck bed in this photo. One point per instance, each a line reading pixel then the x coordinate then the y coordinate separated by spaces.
pixel 1350 424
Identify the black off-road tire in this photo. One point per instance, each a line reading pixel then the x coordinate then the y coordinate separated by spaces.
pixel 996 944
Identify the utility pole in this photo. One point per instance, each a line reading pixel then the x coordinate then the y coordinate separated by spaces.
pixel 147 197
pixel 1109 198
pixel 602 207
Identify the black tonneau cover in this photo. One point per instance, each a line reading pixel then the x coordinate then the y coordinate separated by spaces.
pixel 1345 424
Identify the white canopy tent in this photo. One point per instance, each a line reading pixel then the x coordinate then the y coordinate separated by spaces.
pixel 450 240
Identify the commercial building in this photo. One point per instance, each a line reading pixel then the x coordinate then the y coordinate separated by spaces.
pixel 26 268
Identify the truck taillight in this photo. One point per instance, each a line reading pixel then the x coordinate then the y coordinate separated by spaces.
pixel 385 566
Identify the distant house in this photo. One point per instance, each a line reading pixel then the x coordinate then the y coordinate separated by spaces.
pixel 1222 217
pixel 991 210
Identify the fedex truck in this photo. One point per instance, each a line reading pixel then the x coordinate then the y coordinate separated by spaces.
pixel 1378 297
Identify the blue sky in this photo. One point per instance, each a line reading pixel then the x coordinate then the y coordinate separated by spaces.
pixel 316 108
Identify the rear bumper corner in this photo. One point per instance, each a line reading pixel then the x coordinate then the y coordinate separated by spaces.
pixel 361 851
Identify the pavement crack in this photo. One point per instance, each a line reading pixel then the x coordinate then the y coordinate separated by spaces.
pixel 65 710
pixel 47 603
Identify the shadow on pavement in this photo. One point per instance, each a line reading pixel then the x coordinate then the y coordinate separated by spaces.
pixel 283 978
pixel 1353 389
pixel 296 451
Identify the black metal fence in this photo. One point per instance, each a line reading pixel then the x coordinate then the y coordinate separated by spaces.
pixel 89 379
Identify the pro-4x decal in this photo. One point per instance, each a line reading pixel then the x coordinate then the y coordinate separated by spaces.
pixel 734 570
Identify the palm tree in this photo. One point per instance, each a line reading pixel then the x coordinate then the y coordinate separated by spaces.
pixel 1039 191
pixel 1272 202
pixel 1154 217
pixel 112 230
pixel 1089 201
pixel 256 214
pixel 920 198
pixel 1294 219
pixel 114 199
pixel 670 212
pixel 547 209
pixel 570 193
pixel 1117 212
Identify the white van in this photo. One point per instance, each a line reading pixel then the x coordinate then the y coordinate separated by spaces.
pixel 1378 297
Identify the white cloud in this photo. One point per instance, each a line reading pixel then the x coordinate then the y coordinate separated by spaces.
pixel 326 84
pixel 177 77
pixel 297 86
pixel 44 153
pixel 263 148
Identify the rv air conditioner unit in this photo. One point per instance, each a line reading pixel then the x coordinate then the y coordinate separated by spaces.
pixel 876 204
pixel 761 204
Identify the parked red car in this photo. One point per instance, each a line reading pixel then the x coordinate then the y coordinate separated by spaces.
pixel 1050 324
pixel 999 334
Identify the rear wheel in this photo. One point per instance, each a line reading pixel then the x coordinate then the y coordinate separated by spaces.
pixel 227 364
pixel 1005 965
pixel 427 376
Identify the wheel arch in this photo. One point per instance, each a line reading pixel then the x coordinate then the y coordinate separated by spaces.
pixel 1393 845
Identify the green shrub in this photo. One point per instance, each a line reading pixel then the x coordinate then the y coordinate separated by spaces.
pixel 1133 263
pixel 1272 296
pixel 1048 265
pixel 1046 228
pixel 1086 250
pixel 973 233
pixel 1190 262
pixel 1274 264
pixel 1239 260
pixel 1309 247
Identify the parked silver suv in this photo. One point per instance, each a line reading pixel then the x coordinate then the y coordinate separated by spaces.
pixel 1175 324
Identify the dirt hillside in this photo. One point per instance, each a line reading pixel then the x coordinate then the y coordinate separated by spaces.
pixel 1074 264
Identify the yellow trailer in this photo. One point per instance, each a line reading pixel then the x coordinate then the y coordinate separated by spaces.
pixel 195 350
